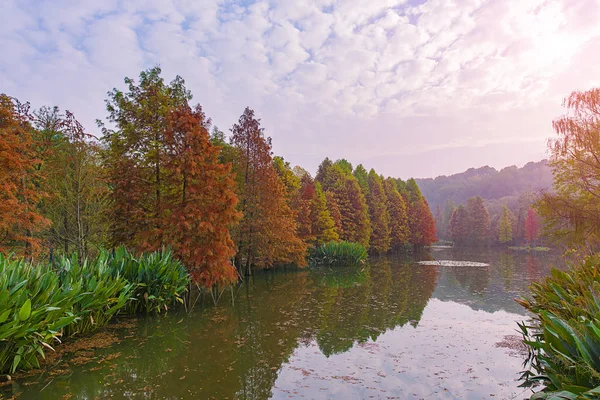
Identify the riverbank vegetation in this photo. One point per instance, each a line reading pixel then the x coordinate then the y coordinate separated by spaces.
pixel 157 178
pixel 564 337
pixel 339 253
pixel 41 304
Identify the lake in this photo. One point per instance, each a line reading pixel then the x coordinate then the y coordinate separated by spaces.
pixel 391 329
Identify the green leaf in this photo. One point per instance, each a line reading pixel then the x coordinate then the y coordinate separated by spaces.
pixel 25 311
pixel 4 316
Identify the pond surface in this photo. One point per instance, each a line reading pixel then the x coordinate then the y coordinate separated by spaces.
pixel 392 329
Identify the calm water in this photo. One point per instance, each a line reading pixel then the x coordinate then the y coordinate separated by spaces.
pixel 392 329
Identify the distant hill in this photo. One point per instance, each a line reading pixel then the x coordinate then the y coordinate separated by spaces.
pixel 487 182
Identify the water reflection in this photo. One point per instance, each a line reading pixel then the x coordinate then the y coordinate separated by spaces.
pixel 389 328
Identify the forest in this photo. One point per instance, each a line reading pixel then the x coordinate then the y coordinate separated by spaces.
pixel 161 176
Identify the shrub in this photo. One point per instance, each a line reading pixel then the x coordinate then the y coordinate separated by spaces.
pixel 338 253
pixel 564 336
pixel 160 280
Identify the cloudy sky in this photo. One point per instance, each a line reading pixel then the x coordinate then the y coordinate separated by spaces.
pixel 411 88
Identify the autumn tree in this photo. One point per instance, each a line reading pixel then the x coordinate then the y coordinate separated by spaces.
pixel 20 220
pixel 505 226
pixel 378 214
pixel 201 201
pixel 137 154
pixel 349 199
pixel 479 220
pixel 168 186
pixel 323 225
pixel 532 226
pixel 78 195
pixel 267 233
pixel 459 228
pixel 420 219
pixel 362 177
pixel 399 230
pixel 303 215
pixel 572 212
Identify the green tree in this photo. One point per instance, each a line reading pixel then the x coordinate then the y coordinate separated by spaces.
pixel 505 226
pixel 362 176
pixel 379 214
pixel 323 226
pixel 448 211
pixel 479 219
pixel 459 226
pixel 399 231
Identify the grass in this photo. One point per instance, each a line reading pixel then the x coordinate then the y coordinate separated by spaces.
pixel 338 253
pixel 564 336
pixel 43 303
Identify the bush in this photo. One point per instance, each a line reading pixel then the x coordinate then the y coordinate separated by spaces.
pixel 160 280
pixel 338 253
pixel 564 336
pixel 33 311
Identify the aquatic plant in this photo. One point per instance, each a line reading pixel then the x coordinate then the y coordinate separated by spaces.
pixel 338 253
pixel 33 311
pixel 160 280
pixel 563 338
pixel 100 292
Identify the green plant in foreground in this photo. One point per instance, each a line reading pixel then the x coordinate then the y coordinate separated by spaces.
pixel 160 280
pixel 33 312
pixel 563 338
pixel 338 253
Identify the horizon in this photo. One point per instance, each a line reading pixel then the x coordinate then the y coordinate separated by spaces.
pixel 391 86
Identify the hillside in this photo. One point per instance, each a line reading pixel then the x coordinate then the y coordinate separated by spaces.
pixel 487 182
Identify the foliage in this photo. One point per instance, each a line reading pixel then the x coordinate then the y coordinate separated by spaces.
pixel 78 200
pixel 33 311
pixel 564 336
pixel 572 213
pixel 505 226
pixel 338 253
pixel 459 226
pixel 160 280
pixel 266 235
pixel 479 220
pixel 420 219
pixel 379 214
pixel 168 186
pixel 323 226
pixel 399 230
pixel 19 180
pixel 532 226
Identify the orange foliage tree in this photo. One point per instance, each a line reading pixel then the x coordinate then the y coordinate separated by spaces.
pixel 399 231
pixel 168 187
pixel 267 233
pixel 19 181
pixel 379 214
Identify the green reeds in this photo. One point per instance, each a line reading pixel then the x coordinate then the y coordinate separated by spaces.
pixel 160 280
pixel 41 303
pixel 338 253
pixel 563 339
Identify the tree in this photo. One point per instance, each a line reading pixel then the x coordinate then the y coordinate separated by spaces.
pixel 479 220
pixel 505 226
pixel 378 214
pixel 19 181
pixel 303 215
pixel 334 211
pixel 348 198
pixel 267 232
pixel 532 226
pixel 323 226
pixel 572 212
pixel 362 177
pixel 420 219
pixel 448 211
pixel 78 195
pixel 459 226
pixel 137 154
pixel 399 231
pixel 201 201
pixel 168 186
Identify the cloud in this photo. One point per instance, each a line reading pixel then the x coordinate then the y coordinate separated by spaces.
pixel 370 81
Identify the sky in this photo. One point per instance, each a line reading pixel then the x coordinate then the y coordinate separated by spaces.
pixel 414 88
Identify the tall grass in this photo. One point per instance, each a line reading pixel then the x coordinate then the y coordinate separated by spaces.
pixel 40 304
pixel 564 337
pixel 160 280
pixel 338 253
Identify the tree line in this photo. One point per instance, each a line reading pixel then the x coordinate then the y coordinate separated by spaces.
pixel 162 176
pixel 471 224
